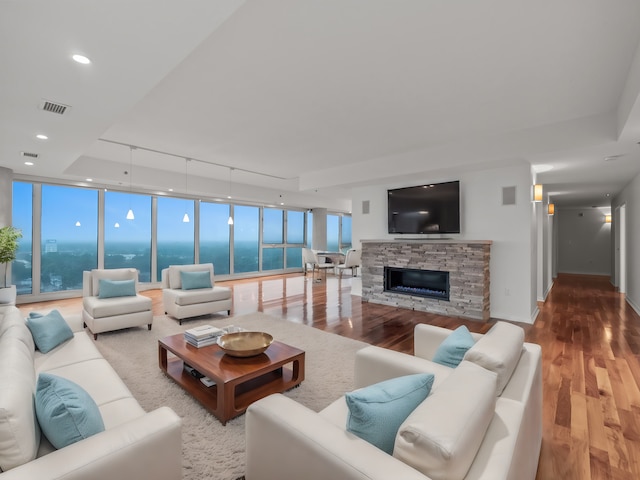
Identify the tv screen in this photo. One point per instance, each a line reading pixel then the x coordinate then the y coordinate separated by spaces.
pixel 430 208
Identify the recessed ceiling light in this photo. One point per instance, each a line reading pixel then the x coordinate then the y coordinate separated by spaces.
pixel 81 59
pixel 29 163
pixel 171 189
pixel 42 137
pixel 89 179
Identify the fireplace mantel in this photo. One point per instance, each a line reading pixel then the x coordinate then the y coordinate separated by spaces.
pixel 467 262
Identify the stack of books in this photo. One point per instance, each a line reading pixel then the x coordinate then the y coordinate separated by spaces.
pixel 203 335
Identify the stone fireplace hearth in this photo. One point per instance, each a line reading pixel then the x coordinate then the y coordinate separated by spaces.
pixel 465 263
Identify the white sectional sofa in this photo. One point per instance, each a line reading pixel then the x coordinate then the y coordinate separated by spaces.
pixel 181 302
pixel 287 440
pixel 135 444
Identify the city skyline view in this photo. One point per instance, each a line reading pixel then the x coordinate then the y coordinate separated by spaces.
pixel 69 228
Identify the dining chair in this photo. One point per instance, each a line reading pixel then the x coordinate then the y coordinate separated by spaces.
pixel 352 261
pixel 310 259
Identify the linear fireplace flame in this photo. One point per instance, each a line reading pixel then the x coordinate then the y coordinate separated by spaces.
pixel 419 283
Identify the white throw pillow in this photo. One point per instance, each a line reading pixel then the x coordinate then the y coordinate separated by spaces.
pixel 498 350
pixel 441 437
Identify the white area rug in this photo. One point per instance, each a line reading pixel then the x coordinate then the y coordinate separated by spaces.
pixel 210 450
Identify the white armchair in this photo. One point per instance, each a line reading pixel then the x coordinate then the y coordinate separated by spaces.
pixel 110 301
pixel 352 261
pixel 182 302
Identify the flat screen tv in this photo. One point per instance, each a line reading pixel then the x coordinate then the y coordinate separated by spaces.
pixel 429 208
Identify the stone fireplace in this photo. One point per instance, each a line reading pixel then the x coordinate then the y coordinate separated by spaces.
pixel 415 274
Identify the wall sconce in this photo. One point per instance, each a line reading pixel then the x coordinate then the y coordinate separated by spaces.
pixel 551 209
pixel 607 219
pixel 537 192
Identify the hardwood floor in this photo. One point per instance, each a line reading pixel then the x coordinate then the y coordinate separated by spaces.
pixel 590 341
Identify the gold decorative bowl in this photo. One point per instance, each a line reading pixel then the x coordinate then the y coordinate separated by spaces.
pixel 244 344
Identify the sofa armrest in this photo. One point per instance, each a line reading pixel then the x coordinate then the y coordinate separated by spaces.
pixel 375 364
pixel 146 447
pixel 287 440
pixel 427 338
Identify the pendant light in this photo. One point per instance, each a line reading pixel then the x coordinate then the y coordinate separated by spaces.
pixel 130 215
pixel 185 219
pixel 230 221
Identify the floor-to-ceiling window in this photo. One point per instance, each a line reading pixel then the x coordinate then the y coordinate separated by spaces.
pixel 295 238
pixel 338 233
pixel 214 236
pixel 345 235
pixel 272 239
pixel 127 241
pixel 69 236
pixel 333 233
pixel 22 214
pixel 175 236
pixel 66 223
pixel 246 239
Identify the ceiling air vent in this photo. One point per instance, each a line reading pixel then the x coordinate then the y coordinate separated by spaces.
pixel 30 154
pixel 53 107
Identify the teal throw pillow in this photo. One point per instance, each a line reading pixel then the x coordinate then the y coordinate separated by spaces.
pixel 192 280
pixel 66 412
pixel 116 288
pixel 377 411
pixel 452 349
pixel 48 331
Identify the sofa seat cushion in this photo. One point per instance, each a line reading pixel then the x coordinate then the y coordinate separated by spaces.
pixel 97 377
pixel 120 411
pixel 499 350
pixel 66 413
pixel 80 348
pixel 205 295
pixel 19 431
pixel 109 307
pixel 441 437
pixel 376 411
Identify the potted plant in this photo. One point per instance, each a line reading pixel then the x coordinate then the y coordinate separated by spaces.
pixel 8 246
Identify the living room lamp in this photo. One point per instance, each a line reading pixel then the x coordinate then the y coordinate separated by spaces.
pixel 230 221
pixel 185 219
pixel 537 192
pixel 551 209
pixel 130 215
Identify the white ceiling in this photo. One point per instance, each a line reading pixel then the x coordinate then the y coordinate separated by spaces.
pixel 322 95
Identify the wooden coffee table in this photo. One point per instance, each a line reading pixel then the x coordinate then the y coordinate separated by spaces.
pixel 239 381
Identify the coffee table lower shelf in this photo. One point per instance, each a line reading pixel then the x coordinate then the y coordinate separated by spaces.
pixel 234 392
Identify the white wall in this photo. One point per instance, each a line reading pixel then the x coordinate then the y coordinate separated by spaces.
pixel 630 197
pixel 6 189
pixel 584 241
pixel 511 228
